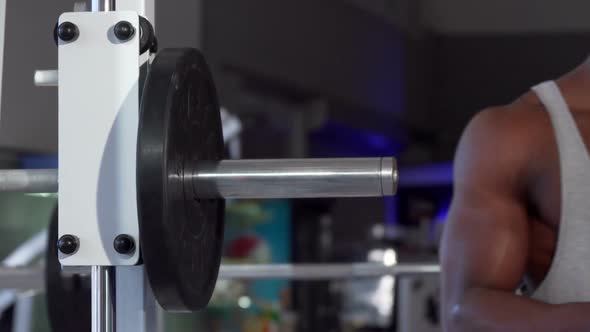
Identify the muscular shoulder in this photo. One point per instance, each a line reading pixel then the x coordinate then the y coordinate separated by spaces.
pixel 499 143
pixel 517 122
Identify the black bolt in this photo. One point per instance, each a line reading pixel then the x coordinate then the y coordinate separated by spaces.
pixel 67 244
pixel 67 31
pixel 124 30
pixel 124 244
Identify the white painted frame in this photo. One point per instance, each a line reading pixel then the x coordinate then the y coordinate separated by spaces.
pixel 98 119
pixel 136 308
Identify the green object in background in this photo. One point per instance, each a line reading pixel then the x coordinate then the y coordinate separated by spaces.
pixel 259 232
pixel 256 232
pixel 21 217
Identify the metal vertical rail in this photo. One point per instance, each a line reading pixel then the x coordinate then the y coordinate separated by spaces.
pixel 102 299
pixel 103 5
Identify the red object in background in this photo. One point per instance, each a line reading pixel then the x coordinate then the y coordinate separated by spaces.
pixel 242 246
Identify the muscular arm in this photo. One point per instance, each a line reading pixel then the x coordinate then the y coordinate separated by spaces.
pixel 485 245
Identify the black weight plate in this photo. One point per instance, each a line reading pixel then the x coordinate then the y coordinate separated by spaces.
pixel 147 36
pixel 68 295
pixel 181 234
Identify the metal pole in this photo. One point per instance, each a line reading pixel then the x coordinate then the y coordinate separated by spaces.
pixel 295 178
pixel 102 299
pixel 46 78
pixel 322 271
pixel 28 181
pixel 31 278
pixel 246 179
pixel 21 256
pixel 21 279
pixel 23 313
pixel 103 5
pixel 136 303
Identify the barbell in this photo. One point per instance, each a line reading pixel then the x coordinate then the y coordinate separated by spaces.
pixel 183 180
pixel 31 278
pixel 255 179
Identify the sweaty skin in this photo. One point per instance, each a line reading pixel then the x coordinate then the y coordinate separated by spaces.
pixel 505 216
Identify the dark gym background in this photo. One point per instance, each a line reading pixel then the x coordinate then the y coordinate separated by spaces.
pixel 332 78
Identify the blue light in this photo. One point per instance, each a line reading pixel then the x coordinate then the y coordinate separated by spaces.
pixel 443 211
pixel 378 142
pixel 39 161
pixel 338 140
pixel 426 176
pixel 390 210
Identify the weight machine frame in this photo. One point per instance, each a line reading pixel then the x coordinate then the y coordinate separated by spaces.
pixel 121 296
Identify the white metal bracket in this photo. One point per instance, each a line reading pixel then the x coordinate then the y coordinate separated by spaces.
pixel 98 119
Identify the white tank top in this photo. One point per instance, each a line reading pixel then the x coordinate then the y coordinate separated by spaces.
pixel 568 279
